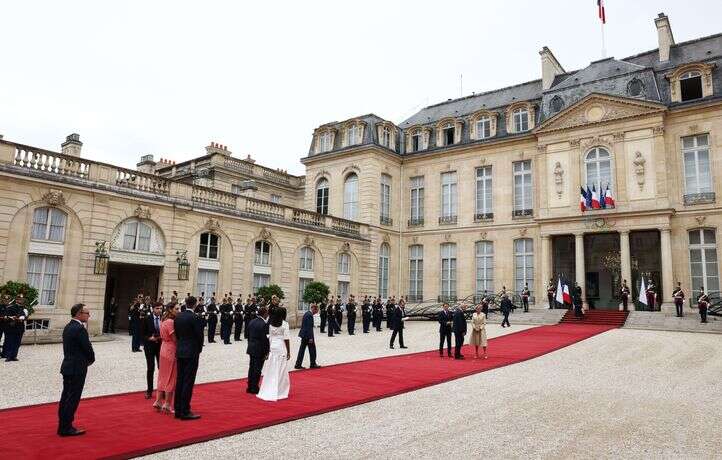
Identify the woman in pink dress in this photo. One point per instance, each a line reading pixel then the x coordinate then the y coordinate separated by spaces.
pixel 167 367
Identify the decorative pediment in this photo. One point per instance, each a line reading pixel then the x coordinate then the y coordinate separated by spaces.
pixel 213 224
pixel 142 212
pixel 599 108
pixel 54 198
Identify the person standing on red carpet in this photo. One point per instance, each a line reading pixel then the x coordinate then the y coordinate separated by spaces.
pixel 168 368
pixel 78 354
pixel 445 319
pixel 258 347
pixel 397 324
pixel 307 339
pixel 459 330
pixel 189 344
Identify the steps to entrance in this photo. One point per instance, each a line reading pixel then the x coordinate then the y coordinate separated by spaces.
pixel 598 317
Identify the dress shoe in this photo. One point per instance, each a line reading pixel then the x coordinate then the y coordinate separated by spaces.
pixel 148 395
pixel 71 432
pixel 392 347
pixel 315 366
pixel 190 416
pixel 299 367
pixel 10 359
pixel 403 346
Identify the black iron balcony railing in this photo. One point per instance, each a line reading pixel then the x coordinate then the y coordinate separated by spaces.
pixel 416 222
pixel 482 216
pixel 386 220
pixel 522 213
pixel 448 220
pixel 699 198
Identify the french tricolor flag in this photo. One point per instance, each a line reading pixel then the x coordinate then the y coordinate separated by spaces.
pixel 595 198
pixel 583 200
pixel 602 14
pixel 567 296
pixel 608 198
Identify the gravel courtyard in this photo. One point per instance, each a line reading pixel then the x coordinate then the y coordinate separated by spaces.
pixel 624 393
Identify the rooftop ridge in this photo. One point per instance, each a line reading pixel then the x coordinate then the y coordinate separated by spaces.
pixel 688 42
pixel 449 101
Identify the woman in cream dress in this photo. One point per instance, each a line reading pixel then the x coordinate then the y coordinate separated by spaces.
pixel 478 331
pixel 276 383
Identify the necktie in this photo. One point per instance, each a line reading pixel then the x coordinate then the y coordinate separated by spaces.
pixel 157 326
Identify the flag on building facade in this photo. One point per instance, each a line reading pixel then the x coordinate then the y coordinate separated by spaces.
pixel 560 292
pixel 602 203
pixel 595 197
pixel 589 198
pixel 567 295
pixel 602 13
pixel 583 200
pixel 642 293
pixel 608 198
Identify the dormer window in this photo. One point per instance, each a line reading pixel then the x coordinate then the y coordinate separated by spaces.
pixel 352 135
pixel 449 132
pixel 521 120
pixel 416 141
pixel 483 128
pixel 324 142
pixel 690 84
pixel 386 137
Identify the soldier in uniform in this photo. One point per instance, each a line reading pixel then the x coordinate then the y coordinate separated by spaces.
pixel 4 301
pixel 212 315
pixel 377 314
pixel 109 319
pixel 331 317
pixel 525 297
pixel 577 300
pixel 390 305
pixel 338 310
pixel 351 314
pixel 624 293
pixel 484 308
pixel 651 295
pixel 702 304
pixel 134 323
pixel 200 311
pixel 366 314
pixel 238 319
pixel 226 319
pixel 323 314
pixel 678 296
pixel 551 293
pixel 16 314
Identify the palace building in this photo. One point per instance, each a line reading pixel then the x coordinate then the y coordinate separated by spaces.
pixel 467 195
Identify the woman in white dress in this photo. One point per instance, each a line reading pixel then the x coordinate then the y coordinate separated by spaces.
pixel 276 383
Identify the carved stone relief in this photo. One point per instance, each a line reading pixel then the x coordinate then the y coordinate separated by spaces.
pixel 213 224
pixel 639 162
pixel 142 212
pixel 700 220
pixel 559 179
pixel 54 198
pixel 265 234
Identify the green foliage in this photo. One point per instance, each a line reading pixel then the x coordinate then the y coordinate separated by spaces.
pixel 315 292
pixel 272 289
pixel 13 288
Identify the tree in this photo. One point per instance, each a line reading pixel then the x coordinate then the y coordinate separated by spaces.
pixel 267 292
pixel 13 288
pixel 315 292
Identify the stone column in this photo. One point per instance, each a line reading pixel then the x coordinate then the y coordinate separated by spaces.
pixel 625 259
pixel 665 240
pixel 546 268
pixel 580 273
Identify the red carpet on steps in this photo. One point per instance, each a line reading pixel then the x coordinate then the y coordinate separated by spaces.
pixel 613 318
pixel 124 425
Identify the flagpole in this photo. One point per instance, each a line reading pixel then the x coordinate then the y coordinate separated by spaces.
pixel 604 48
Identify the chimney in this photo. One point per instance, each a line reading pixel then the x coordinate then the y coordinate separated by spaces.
pixel 215 147
pixel 550 68
pixel 146 165
pixel 664 35
pixel 72 145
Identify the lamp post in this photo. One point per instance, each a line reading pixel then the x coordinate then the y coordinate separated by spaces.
pixel 183 265
pixel 101 258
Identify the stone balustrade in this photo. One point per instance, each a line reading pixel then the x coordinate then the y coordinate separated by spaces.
pixel 50 162
pixel 213 197
pixel 260 171
pixel 143 182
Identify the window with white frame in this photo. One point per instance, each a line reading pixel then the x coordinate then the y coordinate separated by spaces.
pixel 322 196
pixel 302 283
pixel 522 188
pixel 448 134
pixel 697 174
pixel 483 127
pixel 263 253
pixel 350 197
pixel 344 263
pixel 417 200
pixel 324 142
pixel 43 274
pixel 521 120
pixel 136 236
pixel 416 141
pixel 260 280
pixel 384 253
pixel 598 163
pixel 703 260
pixel 306 259
pixel 523 264
pixel 448 194
pixel 207 281
pixel 208 248
pixel 484 266
pixel 484 208
pixel 343 290
pixel 385 198
pixel 416 273
pixel 448 271
pixel 48 224
pixel 386 137
pixel 352 135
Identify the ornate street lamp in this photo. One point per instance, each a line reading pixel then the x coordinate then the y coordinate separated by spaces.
pixel 183 265
pixel 101 258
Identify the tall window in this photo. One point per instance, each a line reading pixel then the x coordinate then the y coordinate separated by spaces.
pixel 416 142
pixel 352 135
pixel 324 142
pixel 275 198
pixel 344 264
pixel 599 168
pixel 417 200
pixel 306 259
pixel 384 270
pixel 302 283
pixel 263 253
pixel 523 264
pixel 690 84
pixel 350 197
pixel 448 195
pixel 48 224
pixel 697 176
pixel 209 246
pixel 483 128
pixel 449 132
pixel 43 274
pixel 521 120
pixel 484 267
pixel 385 199
pixel 386 137
pixel 322 196
pixel 207 281
pixel 343 290
pixel 448 271
pixel 484 208
pixel 136 236
pixel 522 188
pixel 703 260
pixel 260 280
pixel 416 273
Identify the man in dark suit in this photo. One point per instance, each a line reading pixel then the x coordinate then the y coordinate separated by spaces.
pixel 189 344
pixel 459 331
pixel 397 325
pixel 258 347
pixel 307 339
pixel 77 356
pixel 150 333
pixel 445 319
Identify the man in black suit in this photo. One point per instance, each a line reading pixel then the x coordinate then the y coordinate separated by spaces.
pixel 150 333
pixel 77 356
pixel 351 314
pixel 397 325
pixel 307 339
pixel 258 347
pixel 189 344
pixel 459 331
pixel 445 319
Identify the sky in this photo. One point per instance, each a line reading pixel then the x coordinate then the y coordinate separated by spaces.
pixel 167 78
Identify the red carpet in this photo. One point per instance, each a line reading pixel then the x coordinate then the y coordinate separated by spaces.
pixel 614 318
pixel 124 425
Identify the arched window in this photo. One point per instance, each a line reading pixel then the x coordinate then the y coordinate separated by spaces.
pixel 690 84
pixel 703 260
pixel 49 224
pixel 322 196
pixel 386 137
pixel 416 273
pixel 523 264
pixel 350 197
pixel 484 266
pixel 136 236
pixel 521 120
pixel 448 272
pixel 635 87
pixel 263 253
pixel 483 127
pixel 598 163
pixel 556 104
pixel 324 142
pixel 306 259
pixel 352 135
pixel 208 248
pixel 384 252
pixel 344 264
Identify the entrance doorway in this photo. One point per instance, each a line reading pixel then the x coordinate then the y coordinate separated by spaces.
pixel 602 265
pixel 646 252
pixel 563 262
pixel 124 282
